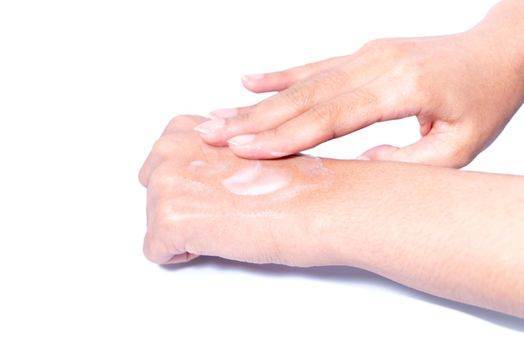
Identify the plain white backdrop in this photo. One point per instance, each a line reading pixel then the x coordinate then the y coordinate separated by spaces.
pixel 85 89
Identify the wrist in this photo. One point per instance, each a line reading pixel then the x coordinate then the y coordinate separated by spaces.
pixel 502 33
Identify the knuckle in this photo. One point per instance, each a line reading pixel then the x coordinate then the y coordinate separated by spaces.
pixel 254 117
pixel 299 96
pixel 325 115
pixel 290 75
pixel 247 116
pixel 411 73
pixel 168 234
pixel 161 178
pixel 376 44
pixel 154 248
pixel 325 112
pixel 165 220
pixel 181 122
pixel 361 98
pixel 142 176
pixel 309 67
pixel 388 48
pixel 330 79
pixel 163 147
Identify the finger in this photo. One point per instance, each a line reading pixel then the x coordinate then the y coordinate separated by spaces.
pixel 155 250
pixel 228 112
pixel 182 123
pixel 280 108
pixel 182 258
pixel 331 119
pixel 278 81
pixel 164 146
pixel 160 151
pixel 157 254
pixel 275 81
pixel 433 149
pixel 159 251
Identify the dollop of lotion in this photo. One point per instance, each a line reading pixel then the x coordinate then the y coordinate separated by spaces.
pixel 255 181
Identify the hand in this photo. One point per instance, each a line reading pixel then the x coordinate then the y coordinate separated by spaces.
pixel 463 89
pixel 455 234
pixel 204 200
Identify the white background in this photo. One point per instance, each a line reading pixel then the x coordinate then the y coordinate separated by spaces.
pixel 85 89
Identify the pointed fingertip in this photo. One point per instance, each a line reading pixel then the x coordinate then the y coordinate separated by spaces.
pixel 252 78
pixel 252 82
pixel 278 154
pixel 210 127
pixel 241 140
pixel 223 113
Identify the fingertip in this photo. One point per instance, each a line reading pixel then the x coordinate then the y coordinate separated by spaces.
pixel 252 154
pixel 247 146
pixel 276 81
pixel 253 77
pixel 382 152
pixel 213 140
pixel 252 82
pixel 421 152
pixel 242 140
pixel 223 113
pixel 278 154
pixel 211 131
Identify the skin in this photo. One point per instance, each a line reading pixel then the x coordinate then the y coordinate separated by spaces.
pixel 455 234
pixel 463 89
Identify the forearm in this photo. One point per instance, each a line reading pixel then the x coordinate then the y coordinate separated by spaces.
pixel 503 30
pixel 459 235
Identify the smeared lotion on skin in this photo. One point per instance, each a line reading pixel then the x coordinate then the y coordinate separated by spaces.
pixel 201 165
pixel 254 181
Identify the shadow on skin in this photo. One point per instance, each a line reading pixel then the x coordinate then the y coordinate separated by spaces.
pixel 354 275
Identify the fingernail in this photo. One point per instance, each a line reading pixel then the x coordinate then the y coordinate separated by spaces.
pixel 278 154
pixel 223 113
pixel 241 140
pixel 252 77
pixel 363 158
pixel 210 126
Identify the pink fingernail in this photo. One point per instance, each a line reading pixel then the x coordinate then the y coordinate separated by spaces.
pixel 278 154
pixel 241 140
pixel 224 113
pixel 252 77
pixel 363 158
pixel 210 127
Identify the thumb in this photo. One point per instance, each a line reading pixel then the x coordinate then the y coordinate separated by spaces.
pixel 430 150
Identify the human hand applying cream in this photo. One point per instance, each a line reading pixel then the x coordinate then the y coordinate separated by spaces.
pixel 462 88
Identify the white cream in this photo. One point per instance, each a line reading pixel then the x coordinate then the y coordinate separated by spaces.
pixel 197 164
pixel 313 166
pixel 255 181
pixel 201 165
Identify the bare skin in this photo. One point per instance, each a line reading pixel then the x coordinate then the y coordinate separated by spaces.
pixel 455 234
pixel 463 89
